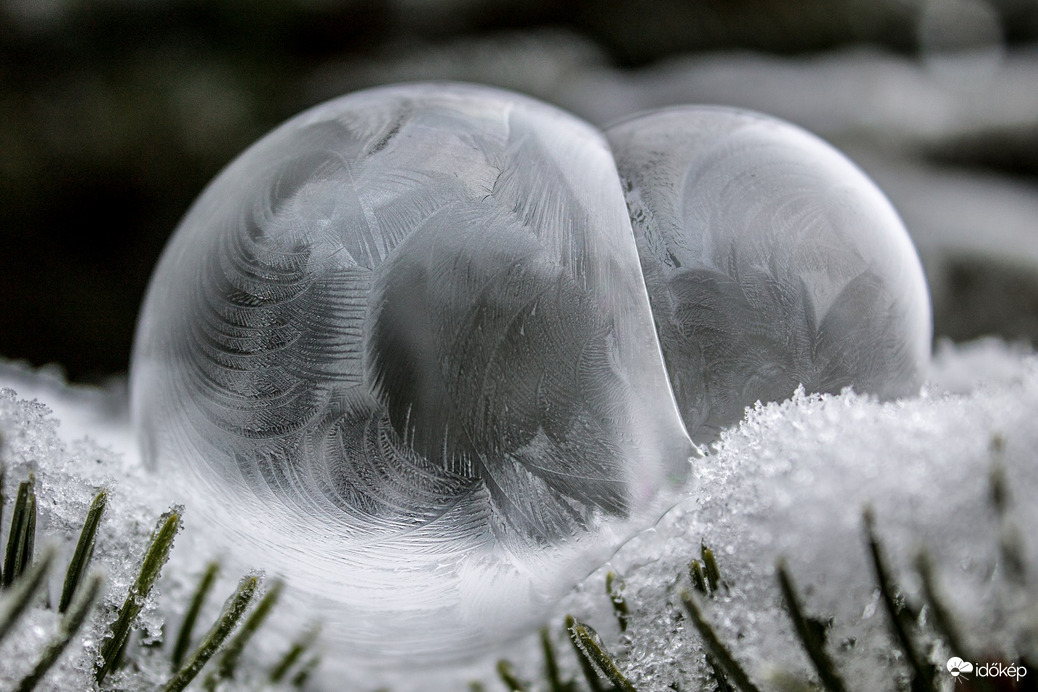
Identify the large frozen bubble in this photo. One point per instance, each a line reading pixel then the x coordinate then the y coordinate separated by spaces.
pixel 402 350
pixel 771 261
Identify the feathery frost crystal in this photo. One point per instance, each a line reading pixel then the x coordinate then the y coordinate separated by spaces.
pixel 402 348
pixel 771 261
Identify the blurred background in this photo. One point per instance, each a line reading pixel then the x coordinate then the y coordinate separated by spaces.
pixel 115 113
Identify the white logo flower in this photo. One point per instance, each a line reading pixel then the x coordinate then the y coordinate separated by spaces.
pixel 956 666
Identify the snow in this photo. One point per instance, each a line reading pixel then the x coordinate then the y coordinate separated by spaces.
pixel 791 480
pixel 71 465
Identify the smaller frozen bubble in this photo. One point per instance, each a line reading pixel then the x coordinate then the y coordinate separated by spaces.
pixel 771 261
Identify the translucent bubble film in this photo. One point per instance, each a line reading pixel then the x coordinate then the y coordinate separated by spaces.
pixel 402 350
pixel 771 261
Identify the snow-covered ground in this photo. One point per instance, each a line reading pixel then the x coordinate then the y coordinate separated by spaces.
pixel 790 481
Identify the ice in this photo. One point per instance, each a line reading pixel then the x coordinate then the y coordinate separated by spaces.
pixel 402 348
pixel 771 262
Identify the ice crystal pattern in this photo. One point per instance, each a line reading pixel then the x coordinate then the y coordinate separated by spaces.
pixel 402 349
pixel 771 261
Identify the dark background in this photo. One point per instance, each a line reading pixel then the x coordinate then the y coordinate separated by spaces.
pixel 114 114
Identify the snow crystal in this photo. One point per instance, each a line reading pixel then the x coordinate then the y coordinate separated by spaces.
pixel 792 481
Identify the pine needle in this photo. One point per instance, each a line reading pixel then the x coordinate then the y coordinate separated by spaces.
pixel 232 652
pixel 18 598
pixel 715 648
pixel 615 585
pixel 922 673
pixel 205 585
pixel 21 539
pixel 294 653
pixel 587 643
pixel 84 550
pixel 233 611
pixel 814 647
pixel 70 626
pixel 509 678
pixel 156 556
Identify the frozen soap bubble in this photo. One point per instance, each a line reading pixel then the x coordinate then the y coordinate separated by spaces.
pixel 771 261
pixel 402 349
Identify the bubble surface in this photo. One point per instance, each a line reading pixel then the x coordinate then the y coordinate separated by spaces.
pixel 771 261
pixel 401 349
